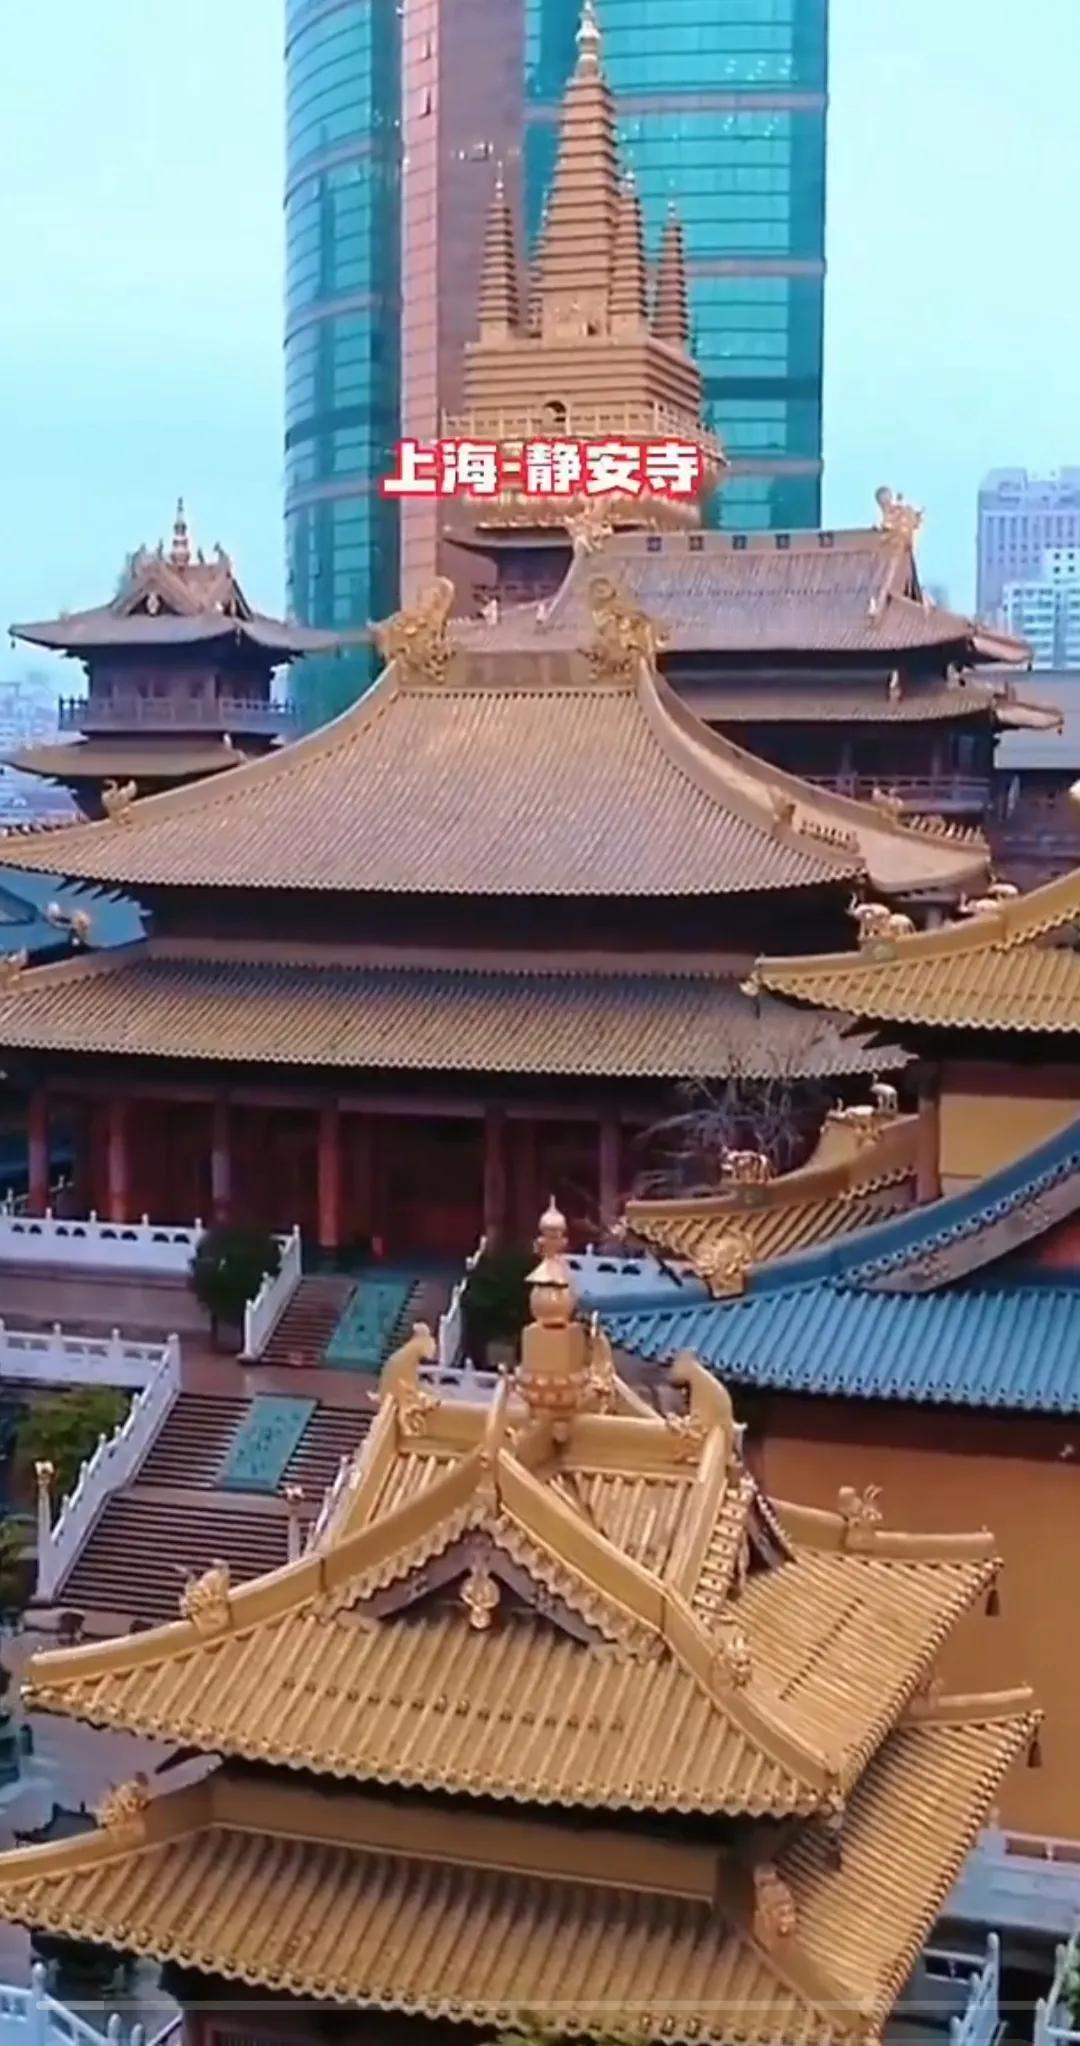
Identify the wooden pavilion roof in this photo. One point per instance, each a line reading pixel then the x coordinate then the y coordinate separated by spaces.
pixel 484 1013
pixel 573 774
pixel 560 1600
pixel 1013 967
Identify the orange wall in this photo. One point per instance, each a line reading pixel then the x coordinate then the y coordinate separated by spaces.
pixel 1033 1508
pixel 991 1115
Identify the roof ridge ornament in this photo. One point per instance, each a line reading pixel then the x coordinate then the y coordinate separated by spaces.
pixel 415 639
pixel 588 38
pixel 624 635
pixel 117 799
pixel 898 517
pixel 180 549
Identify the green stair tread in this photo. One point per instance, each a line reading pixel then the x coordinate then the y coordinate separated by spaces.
pixel 265 1443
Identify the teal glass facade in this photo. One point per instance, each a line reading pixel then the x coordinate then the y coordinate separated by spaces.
pixel 722 108
pixel 342 327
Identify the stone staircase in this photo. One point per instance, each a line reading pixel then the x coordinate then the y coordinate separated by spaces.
pixel 147 1541
pixel 308 1322
pixel 151 1534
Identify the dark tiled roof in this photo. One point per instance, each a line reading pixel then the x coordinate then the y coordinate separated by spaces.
pixel 790 702
pixel 520 777
pixel 159 1000
pixel 844 592
pixel 145 759
pixel 86 632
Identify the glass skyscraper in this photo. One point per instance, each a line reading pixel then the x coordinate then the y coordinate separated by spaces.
pixel 722 107
pixel 342 326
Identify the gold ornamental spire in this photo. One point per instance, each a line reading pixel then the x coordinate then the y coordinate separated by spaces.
pixel 671 311
pixel 579 243
pixel 629 297
pixel 500 305
pixel 180 549
pixel 553 1376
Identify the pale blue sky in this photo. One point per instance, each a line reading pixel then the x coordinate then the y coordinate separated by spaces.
pixel 140 237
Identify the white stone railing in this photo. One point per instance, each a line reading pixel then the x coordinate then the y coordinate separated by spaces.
pixel 52 1357
pixel 31 2017
pixel 459 1382
pixel 261 1315
pixel 1054 2023
pixel 451 1330
pixel 1019 1882
pixel 161 1248
pixel 113 1464
pixel 980 2023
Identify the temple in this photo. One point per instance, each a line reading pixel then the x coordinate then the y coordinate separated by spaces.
pixel 464 941
pixel 561 1723
pixel 179 678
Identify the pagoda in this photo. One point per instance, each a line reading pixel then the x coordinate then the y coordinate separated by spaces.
pixel 562 1723
pixel 179 678
pixel 589 358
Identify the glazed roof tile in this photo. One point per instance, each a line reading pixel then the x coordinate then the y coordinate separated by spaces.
pixel 527 777
pixel 604 1684
pixel 785 702
pixel 914 1308
pixel 382 1908
pixel 1012 1348
pixel 760 593
pixel 992 972
pixel 862 1170
pixel 169 1000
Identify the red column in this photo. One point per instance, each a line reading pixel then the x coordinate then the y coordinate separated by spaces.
pixel 329 1176
pixel 610 1172
pixel 37 1149
pixel 494 1175
pixel 220 1161
pixel 119 1161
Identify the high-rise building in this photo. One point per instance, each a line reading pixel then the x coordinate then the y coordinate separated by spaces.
pixel 1021 517
pixel 342 324
pixel 1045 609
pixel 721 108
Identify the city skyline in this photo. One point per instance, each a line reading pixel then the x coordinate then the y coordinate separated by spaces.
pixel 143 342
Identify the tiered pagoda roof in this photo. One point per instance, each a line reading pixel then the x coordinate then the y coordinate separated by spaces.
pixel 863 1169
pixel 172 600
pixel 574 773
pixel 1012 966
pixel 561 1602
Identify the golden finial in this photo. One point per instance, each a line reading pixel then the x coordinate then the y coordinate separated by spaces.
pixel 180 551
pixel 588 38
pixel 553 1377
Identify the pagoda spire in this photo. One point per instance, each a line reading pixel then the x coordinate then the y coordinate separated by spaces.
pixel 671 307
pixel 578 247
pixel 180 548
pixel 500 304
pixel 629 297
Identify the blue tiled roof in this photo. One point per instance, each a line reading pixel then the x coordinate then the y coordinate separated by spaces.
pixel 24 925
pixel 1015 1348
pixel 813 1323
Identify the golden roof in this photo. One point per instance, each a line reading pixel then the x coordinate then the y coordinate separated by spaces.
pixel 422 788
pixel 552 1605
pixel 493 1922
pixel 862 1170
pixel 998 970
pixel 421 1012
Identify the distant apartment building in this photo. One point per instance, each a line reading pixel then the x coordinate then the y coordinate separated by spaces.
pixel 28 712
pixel 1022 518
pixel 1045 609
